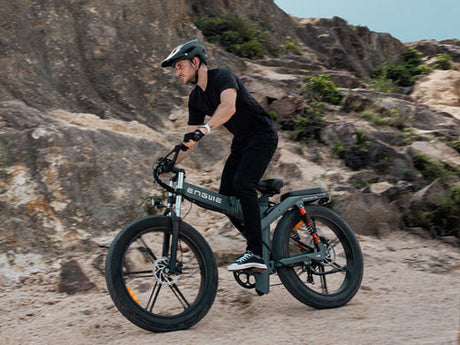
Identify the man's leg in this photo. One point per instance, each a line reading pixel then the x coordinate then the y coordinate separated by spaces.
pixel 253 162
pixel 226 185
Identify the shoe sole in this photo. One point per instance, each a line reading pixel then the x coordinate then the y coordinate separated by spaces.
pixel 254 266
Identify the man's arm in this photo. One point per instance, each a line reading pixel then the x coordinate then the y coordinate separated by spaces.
pixel 184 154
pixel 224 111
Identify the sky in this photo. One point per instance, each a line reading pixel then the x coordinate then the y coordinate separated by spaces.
pixel 406 20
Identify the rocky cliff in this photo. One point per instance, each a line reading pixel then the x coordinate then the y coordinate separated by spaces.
pixel 85 109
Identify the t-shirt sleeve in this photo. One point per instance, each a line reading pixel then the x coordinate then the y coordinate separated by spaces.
pixel 225 79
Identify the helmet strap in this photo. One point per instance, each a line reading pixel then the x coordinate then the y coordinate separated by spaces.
pixel 196 72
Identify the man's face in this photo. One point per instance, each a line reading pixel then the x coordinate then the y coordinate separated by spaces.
pixel 185 70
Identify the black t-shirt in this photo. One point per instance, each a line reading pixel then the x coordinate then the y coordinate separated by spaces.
pixel 249 117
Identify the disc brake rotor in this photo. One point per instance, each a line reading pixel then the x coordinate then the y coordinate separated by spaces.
pixel 330 256
pixel 161 272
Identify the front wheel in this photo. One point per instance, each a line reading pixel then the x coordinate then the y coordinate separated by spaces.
pixel 331 282
pixel 141 284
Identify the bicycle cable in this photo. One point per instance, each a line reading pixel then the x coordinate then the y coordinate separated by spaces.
pixel 188 211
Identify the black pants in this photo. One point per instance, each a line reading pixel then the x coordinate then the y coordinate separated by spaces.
pixel 244 168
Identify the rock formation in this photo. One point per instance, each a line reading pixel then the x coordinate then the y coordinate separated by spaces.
pixel 85 110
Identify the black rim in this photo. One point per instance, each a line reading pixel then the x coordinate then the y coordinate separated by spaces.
pixel 148 283
pixel 331 276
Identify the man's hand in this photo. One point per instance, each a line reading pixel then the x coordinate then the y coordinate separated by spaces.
pixel 192 138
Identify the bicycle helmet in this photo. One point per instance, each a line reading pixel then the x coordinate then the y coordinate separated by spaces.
pixel 187 50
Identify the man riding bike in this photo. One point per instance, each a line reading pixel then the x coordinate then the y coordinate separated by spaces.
pixel 221 95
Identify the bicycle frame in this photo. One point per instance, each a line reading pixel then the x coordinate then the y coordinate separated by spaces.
pixel 230 206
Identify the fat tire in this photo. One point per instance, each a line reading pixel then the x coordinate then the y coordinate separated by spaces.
pixel 289 277
pixel 121 297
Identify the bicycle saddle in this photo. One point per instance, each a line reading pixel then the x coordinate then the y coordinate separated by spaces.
pixel 270 186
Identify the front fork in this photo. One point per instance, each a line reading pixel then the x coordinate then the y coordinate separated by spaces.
pixel 174 212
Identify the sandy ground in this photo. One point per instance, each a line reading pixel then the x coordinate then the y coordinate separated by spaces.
pixel 410 295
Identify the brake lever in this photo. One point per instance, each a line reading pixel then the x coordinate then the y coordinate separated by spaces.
pixel 170 162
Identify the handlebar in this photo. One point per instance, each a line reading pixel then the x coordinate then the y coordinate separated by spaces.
pixel 165 165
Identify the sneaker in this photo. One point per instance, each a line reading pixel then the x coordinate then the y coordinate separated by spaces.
pixel 247 260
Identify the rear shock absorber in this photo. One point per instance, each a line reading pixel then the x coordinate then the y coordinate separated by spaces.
pixel 309 225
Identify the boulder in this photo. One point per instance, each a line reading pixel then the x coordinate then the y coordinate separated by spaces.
pixel 367 213
pixel 435 208
pixel 428 119
pixel 382 102
pixel 341 46
pixel 430 48
pixel 340 133
pixel 431 195
pixel 437 151
pixel 287 107
pixel 439 90
pixel 389 190
pixel 364 178
pixel 73 279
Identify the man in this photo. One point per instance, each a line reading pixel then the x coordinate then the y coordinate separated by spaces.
pixel 221 95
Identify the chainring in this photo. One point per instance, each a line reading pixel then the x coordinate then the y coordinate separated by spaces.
pixel 245 278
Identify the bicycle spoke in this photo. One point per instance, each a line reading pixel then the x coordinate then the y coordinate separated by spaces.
pixel 155 291
pixel 138 274
pixel 343 269
pixel 333 243
pixel 180 297
pixel 323 281
pixel 146 250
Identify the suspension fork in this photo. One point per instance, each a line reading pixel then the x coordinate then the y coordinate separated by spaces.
pixel 175 223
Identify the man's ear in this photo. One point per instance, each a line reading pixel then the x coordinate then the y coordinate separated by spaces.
pixel 196 61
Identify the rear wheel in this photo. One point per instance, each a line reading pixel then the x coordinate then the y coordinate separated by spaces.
pixel 331 282
pixel 141 285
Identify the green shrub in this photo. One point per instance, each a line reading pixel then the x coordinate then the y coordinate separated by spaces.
pixel 320 88
pixel 374 117
pixel 308 126
pixel 382 83
pixel 425 69
pixel 237 35
pixel 456 196
pixel 357 156
pixel 429 169
pixel 397 74
pixel 362 142
pixel 412 58
pixel 455 144
pixel 339 150
pixel 291 46
pixel 273 115
pixel 400 120
pixel 403 74
pixel 443 61
pixel 442 218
